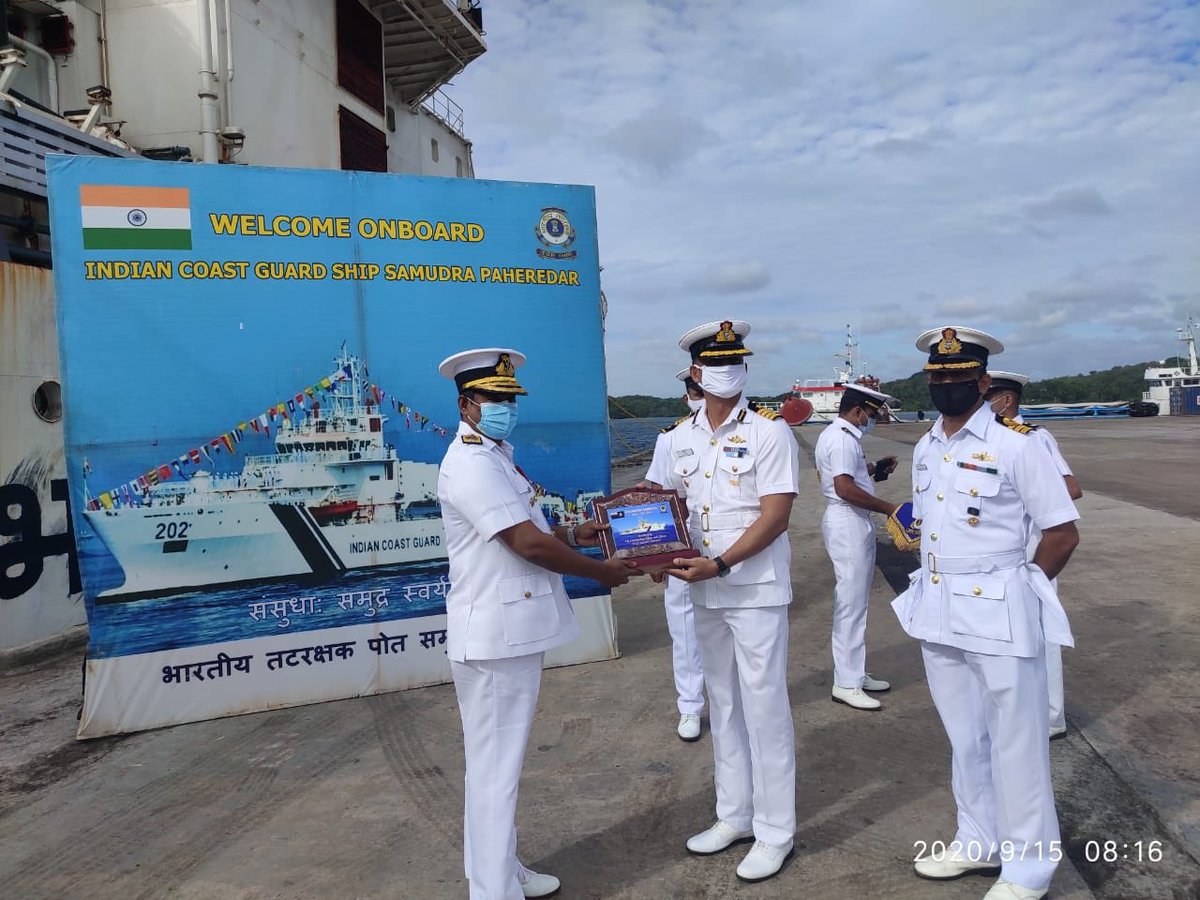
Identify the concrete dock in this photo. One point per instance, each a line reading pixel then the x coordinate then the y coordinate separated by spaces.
pixel 363 798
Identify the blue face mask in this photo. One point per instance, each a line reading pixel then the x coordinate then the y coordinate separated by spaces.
pixel 497 420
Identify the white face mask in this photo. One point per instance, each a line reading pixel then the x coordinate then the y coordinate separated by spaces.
pixel 695 405
pixel 724 381
pixel 1003 405
pixel 867 425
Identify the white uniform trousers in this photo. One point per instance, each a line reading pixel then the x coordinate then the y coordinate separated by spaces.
pixel 1054 683
pixel 1001 758
pixel 685 652
pixel 496 699
pixel 754 747
pixel 850 542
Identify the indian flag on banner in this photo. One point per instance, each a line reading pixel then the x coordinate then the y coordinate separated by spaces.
pixel 135 218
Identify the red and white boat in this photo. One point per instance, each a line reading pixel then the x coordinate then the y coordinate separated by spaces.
pixel 817 399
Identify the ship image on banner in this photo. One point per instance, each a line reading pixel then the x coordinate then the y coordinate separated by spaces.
pixel 333 496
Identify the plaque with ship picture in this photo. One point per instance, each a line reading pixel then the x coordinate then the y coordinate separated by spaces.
pixel 647 527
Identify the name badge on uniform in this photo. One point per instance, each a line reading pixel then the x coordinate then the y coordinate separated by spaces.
pixel 686 451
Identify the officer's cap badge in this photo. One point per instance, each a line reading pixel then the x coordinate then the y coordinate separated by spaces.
pixel 950 342
pixel 504 366
pixel 726 335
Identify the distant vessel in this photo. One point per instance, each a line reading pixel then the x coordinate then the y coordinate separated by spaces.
pixel 1160 379
pixel 332 497
pixel 817 399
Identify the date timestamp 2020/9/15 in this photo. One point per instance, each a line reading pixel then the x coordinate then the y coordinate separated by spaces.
pixel 1094 851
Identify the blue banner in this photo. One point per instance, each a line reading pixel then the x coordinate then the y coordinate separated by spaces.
pixel 254 416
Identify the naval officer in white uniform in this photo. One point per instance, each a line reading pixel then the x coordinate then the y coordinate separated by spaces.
pixel 738 472
pixel 505 608
pixel 1004 397
pixel 983 613
pixel 850 537
pixel 677 601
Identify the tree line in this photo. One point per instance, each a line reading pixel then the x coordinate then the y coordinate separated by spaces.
pixel 1120 383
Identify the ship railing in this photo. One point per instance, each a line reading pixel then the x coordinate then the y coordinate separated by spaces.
pixel 370 454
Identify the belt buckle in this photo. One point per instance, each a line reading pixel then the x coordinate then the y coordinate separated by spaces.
pixel 704 521
pixel 931 559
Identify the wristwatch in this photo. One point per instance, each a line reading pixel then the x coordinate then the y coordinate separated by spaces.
pixel 722 569
pixel 571 541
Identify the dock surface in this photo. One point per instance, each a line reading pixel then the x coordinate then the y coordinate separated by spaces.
pixel 362 798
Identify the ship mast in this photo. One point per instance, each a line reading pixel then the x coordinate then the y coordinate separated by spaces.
pixel 1188 336
pixel 846 375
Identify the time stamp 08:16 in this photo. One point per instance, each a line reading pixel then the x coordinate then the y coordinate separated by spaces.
pixel 1094 851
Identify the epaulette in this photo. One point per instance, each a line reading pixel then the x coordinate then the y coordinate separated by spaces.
pixel 472 439
pixel 769 414
pixel 676 423
pixel 1018 427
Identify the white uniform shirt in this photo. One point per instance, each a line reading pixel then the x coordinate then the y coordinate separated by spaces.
pixel 660 462
pixel 839 452
pixel 721 475
pixel 1060 463
pixel 499 604
pixel 976 496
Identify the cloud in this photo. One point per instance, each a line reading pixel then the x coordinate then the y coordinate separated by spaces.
pixel 1018 167
pixel 735 276
pixel 658 139
pixel 1079 202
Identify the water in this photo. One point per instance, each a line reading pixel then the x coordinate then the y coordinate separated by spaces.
pixel 214 615
pixel 631 436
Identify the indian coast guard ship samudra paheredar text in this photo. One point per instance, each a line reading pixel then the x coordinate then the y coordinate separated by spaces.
pixel 332 497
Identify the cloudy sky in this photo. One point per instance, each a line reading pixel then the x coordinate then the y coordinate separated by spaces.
pixel 1029 167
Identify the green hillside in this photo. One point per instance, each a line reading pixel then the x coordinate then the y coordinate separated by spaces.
pixel 1118 383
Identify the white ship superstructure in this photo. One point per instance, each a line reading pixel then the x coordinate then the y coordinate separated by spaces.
pixel 825 394
pixel 1160 379
pixel 333 496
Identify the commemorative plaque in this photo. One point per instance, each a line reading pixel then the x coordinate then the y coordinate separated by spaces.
pixel 646 527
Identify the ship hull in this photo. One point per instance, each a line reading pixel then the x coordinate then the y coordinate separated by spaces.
pixel 164 550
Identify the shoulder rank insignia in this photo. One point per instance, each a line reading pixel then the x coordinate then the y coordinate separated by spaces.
pixel 676 423
pixel 1018 427
pixel 769 414
pixel 472 439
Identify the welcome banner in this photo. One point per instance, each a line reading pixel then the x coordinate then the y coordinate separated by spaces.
pixel 254 418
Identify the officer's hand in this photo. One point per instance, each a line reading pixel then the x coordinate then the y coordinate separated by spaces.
pixel 696 569
pixel 588 534
pixel 658 577
pixel 643 486
pixel 616 572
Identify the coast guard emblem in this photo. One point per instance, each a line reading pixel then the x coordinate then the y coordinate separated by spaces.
pixel 556 233
pixel 949 343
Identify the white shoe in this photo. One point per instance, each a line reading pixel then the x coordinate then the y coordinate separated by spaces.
pixel 535 884
pixel 1006 890
pixel 855 697
pixel 763 861
pixel 689 727
pixel 1057 731
pixel 720 837
pixel 875 684
pixel 952 864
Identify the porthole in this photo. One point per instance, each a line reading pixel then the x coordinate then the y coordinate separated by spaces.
pixel 47 401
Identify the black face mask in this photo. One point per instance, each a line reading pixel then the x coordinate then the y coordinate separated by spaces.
pixel 956 398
